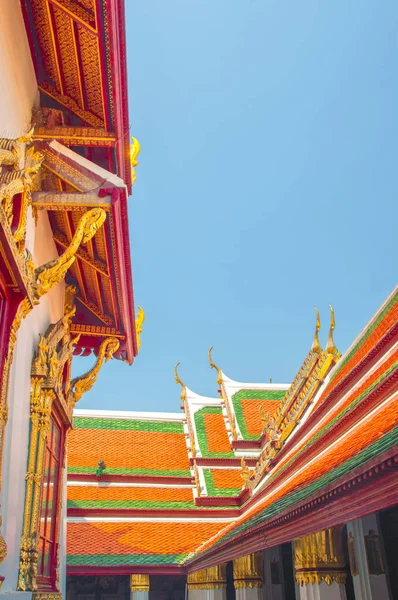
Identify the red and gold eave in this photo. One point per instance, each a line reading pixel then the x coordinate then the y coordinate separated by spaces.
pixel 102 270
pixel 79 55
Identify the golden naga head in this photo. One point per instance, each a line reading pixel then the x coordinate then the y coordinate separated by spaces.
pixel 92 220
pixel 112 347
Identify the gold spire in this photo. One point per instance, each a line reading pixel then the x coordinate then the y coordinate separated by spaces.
pixel 182 384
pixel 134 152
pixel 140 318
pixel 316 347
pixel 331 347
pixel 214 366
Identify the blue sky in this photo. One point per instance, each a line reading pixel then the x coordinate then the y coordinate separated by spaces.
pixel 267 184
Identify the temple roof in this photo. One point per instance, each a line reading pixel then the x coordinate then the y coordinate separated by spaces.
pixel 128 446
pixel 335 425
pixel 72 185
pixel 79 54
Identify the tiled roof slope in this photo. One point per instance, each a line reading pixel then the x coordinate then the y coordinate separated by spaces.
pixel 98 544
pixel 249 404
pixel 349 423
pixel 353 420
pixel 128 447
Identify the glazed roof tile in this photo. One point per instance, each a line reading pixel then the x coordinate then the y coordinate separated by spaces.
pixel 152 542
pixel 223 482
pixel 128 447
pixel 211 433
pixel 248 404
pixel 132 497
pixel 345 435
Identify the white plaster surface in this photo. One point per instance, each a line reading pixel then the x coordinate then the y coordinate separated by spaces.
pixel 335 591
pixel 219 594
pixel 378 583
pixel 15 595
pixel 139 595
pixel 273 591
pixel 249 593
pixel 128 414
pixel 361 581
pixel 17 78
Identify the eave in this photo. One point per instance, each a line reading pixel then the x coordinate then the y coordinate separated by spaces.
pixel 73 46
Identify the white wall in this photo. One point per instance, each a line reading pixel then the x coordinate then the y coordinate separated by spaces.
pixel 49 310
pixel 17 78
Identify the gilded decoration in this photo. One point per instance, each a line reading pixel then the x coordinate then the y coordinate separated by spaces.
pixel 47 596
pixel 139 582
pixel 231 416
pixel 183 397
pixel 248 571
pixel 138 325
pixel 211 578
pixel 319 557
pixel 373 553
pixel 50 382
pixel 84 383
pixel 298 398
pixel 352 555
pixel 134 152
pixel 19 168
pixel 54 271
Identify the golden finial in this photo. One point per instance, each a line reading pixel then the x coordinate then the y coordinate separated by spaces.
pixel 331 347
pixel 134 152
pixel 140 318
pixel 182 384
pixel 214 366
pixel 316 347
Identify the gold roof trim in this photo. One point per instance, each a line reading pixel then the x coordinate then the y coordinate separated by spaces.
pixel 214 366
pixel 316 347
pixel 331 346
pixel 182 384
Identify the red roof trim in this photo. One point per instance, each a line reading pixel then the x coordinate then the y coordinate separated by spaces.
pixel 131 479
pixel 127 570
pixel 118 59
pixel 119 212
pixel 153 513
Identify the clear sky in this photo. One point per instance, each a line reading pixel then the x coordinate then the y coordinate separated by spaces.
pixel 267 184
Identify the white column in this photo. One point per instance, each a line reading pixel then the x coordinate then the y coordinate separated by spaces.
pixel 322 591
pixel 273 574
pixel 207 594
pixel 249 593
pixel 139 595
pixel 374 562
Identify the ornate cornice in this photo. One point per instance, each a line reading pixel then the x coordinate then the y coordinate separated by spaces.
pixel 248 571
pixel 211 578
pixel 139 582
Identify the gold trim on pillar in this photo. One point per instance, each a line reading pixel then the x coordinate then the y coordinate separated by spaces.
pixel 248 571
pixel 212 578
pixel 139 582
pixel 319 557
pixel 47 596
pixel 352 555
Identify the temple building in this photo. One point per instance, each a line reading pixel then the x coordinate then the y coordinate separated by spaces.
pixel 264 492
pixel 66 170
